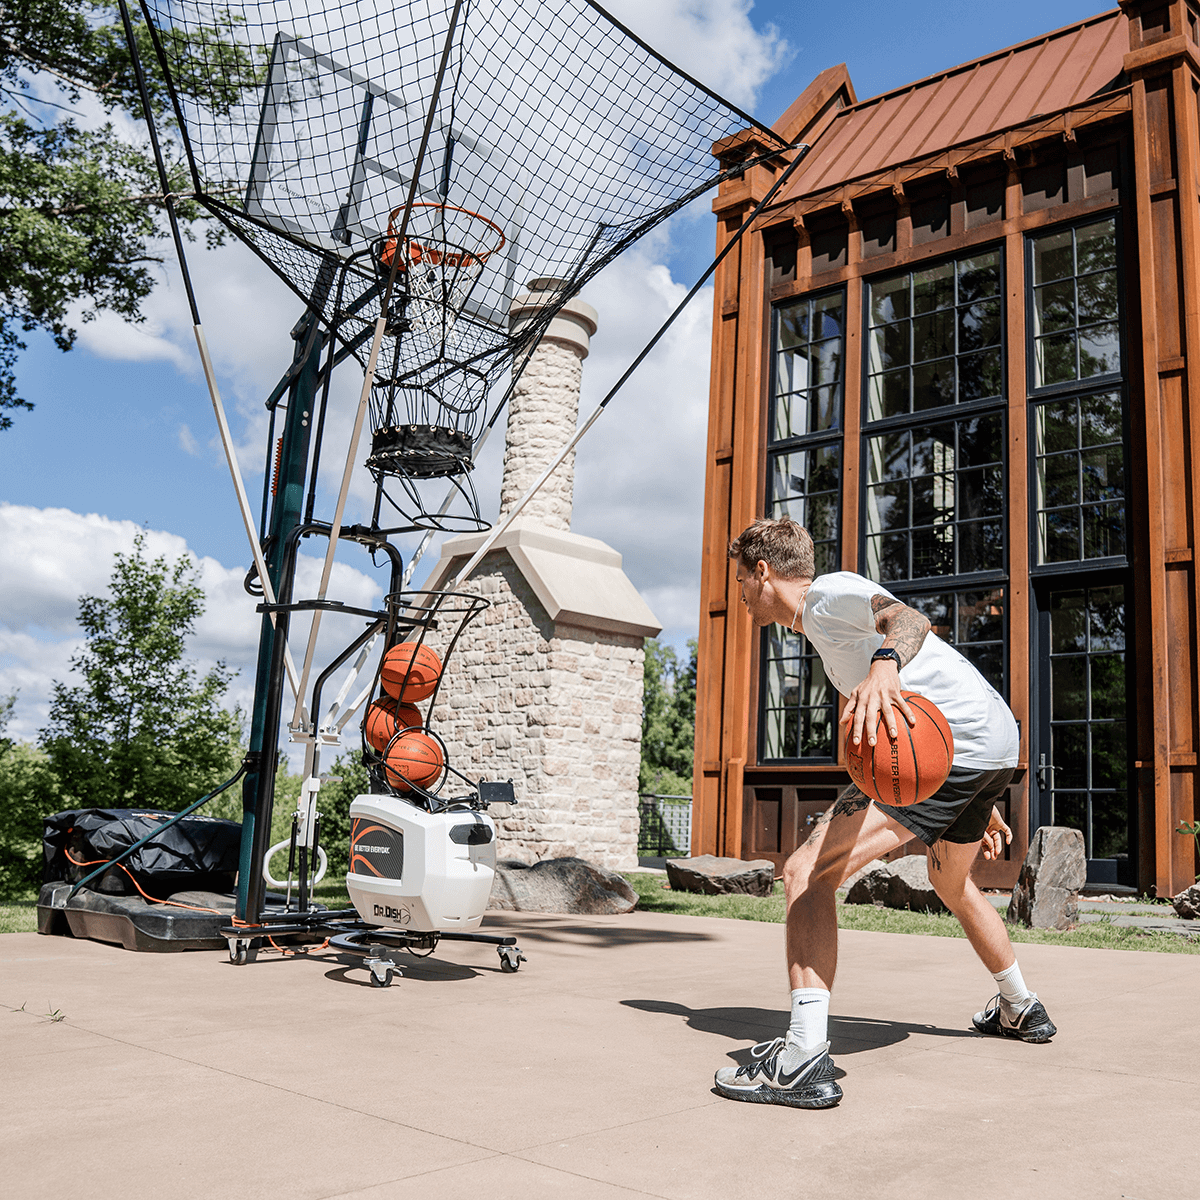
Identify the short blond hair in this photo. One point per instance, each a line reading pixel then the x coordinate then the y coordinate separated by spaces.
pixel 783 544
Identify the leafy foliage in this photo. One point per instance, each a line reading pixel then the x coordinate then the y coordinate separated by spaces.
pixel 141 728
pixel 28 790
pixel 82 209
pixel 668 720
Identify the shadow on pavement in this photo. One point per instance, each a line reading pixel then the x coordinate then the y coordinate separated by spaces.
pixel 847 1035
pixel 600 935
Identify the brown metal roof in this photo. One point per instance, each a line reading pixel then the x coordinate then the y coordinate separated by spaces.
pixel 999 91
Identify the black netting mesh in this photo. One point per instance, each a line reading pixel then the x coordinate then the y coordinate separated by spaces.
pixel 556 139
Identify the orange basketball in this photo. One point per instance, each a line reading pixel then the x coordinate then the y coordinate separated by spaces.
pixel 414 757
pixel 385 717
pixel 410 672
pixel 912 767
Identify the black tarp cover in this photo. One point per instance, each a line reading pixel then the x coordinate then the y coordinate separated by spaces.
pixel 196 853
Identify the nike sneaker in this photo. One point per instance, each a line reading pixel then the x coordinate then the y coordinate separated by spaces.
pixel 1027 1020
pixel 782 1073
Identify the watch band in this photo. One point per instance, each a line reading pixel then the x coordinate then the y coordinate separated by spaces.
pixel 888 653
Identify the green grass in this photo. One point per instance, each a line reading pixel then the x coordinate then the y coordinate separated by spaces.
pixel 653 896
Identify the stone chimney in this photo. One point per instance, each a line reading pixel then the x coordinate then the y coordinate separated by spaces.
pixel 544 408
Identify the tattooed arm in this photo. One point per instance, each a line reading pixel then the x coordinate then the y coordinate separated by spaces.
pixel 904 630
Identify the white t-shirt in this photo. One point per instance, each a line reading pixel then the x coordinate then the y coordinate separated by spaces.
pixel 838 621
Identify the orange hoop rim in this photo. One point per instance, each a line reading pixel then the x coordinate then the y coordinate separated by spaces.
pixel 420 251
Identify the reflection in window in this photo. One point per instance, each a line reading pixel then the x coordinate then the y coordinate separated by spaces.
pixel 974 624
pixel 1080 479
pixel 1075 304
pixel 1088 739
pixel 935 337
pixel 806 486
pixel 808 367
pixel 798 711
pixel 935 500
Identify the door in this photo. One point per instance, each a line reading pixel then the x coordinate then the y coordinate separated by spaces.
pixel 1081 757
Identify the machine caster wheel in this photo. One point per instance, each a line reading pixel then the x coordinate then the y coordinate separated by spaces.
pixel 511 958
pixel 241 952
pixel 381 973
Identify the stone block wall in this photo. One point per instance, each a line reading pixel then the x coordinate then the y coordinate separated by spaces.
pixel 558 708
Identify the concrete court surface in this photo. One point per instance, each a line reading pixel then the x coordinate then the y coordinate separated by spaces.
pixel 588 1073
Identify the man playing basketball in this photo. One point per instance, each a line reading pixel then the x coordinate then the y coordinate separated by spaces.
pixel 872 646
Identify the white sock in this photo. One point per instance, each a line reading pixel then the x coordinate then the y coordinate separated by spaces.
pixel 1012 986
pixel 810 1018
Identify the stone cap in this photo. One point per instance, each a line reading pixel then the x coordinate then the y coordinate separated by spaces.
pixel 574 324
pixel 578 580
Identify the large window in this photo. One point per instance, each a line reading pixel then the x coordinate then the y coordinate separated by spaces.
pixel 804 469
pixel 934 487
pixel 1077 405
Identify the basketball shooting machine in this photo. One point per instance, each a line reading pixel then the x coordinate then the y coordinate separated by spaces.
pixel 405 169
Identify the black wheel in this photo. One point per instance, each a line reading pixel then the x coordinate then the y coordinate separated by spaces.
pixel 510 959
pixel 381 976
pixel 240 953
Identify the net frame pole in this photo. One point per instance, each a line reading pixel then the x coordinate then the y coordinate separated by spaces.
pixel 458 580
pixel 299 718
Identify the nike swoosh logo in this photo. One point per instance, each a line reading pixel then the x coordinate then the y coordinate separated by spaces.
pixel 786 1079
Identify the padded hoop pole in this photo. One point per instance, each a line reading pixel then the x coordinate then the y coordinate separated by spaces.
pixel 801 150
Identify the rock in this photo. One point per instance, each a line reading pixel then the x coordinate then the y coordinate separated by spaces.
pixel 900 884
pixel 849 883
pixel 1187 903
pixel 1047 891
pixel 560 885
pixel 721 876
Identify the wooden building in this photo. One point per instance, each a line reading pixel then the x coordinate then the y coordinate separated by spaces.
pixel 963 348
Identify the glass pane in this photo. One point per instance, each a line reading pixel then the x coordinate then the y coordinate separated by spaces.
pixel 1058 536
pixel 933 336
pixel 939 610
pixel 933 288
pixel 1107 619
pixel 933 384
pixel 1068 623
pixel 1054 307
pixel 816 733
pixel 1098 297
pixel 1104 474
pixel 1110 755
pixel 825 410
pixel 1055 359
pixel 1068 688
pixel 793 324
pixel 1052 257
pixel 790 414
pixel 826 556
pixel 827 319
pixel 932 551
pixel 1110 826
pixel 1108 686
pixel 887 457
pixel 1057 427
pixel 981 617
pixel 989 662
pixel 887 507
pixel 1096 246
pixel 791 371
pixel 981 546
pixel 979 326
pixel 821 517
pixel 1101 418
pixel 1058 480
pixel 890 346
pixel 1104 531
pixel 1070 810
pixel 1069 755
pixel 889 395
pixel 980 376
pixel 888 555
pixel 827 361
pixel 978 277
pixel 1099 350
pixel 889 300
pixel 980 440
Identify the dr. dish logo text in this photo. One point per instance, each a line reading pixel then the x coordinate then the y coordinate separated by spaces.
pixel 388 913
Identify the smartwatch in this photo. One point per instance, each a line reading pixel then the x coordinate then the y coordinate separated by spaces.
pixel 888 653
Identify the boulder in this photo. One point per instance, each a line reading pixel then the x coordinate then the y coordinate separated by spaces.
pixel 1187 903
pixel 862 873
pixel 900 884
pixel 560 885
pixel 721 876
pixel 1047 891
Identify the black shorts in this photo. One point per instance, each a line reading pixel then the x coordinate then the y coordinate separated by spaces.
pixel 958 811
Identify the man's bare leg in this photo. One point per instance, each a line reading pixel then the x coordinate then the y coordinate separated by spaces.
pixel 846 838
pixel 949 872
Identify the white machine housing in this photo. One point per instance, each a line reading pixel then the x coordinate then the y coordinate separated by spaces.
pixel 419 871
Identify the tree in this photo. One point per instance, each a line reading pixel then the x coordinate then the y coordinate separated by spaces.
pixel 28 791
pixel 668 720
pixel 141 728
pixel 81 209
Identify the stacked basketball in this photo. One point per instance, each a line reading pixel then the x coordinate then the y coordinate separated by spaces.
pixel 394 725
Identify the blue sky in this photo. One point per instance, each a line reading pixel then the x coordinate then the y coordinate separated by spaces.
pixel 123 428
